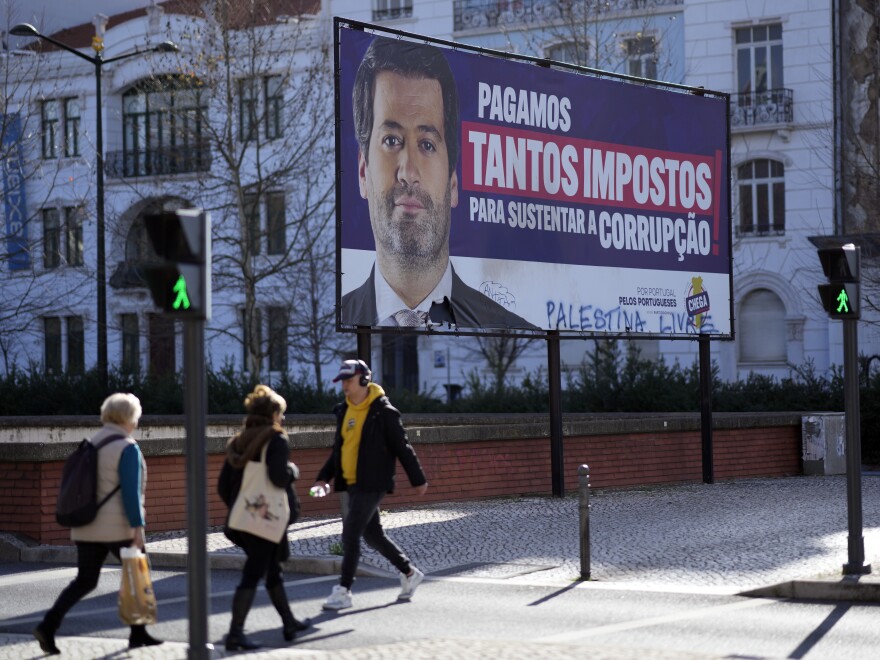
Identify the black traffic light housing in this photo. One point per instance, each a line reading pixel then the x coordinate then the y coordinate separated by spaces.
pixel 841 296
pixel 180 280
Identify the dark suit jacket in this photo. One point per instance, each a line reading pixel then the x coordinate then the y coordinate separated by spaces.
pixel 468 308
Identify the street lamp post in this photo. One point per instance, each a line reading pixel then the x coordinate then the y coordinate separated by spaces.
pixel 98 61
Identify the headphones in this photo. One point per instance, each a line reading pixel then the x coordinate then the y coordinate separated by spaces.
pixel 365 372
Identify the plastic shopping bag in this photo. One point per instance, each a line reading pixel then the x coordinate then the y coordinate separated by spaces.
pixel 137 602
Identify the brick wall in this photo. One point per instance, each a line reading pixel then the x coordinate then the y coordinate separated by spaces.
pixel 457 470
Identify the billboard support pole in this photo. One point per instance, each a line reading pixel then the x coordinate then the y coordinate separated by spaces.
pixel 556 450
pixel 706 409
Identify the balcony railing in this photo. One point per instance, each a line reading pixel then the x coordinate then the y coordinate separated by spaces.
pixel 773 106
pixel 475 14
pixel 157 162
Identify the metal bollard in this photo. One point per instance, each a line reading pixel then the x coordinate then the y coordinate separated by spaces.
pixel 584 497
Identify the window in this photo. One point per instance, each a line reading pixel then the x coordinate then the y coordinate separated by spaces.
pixel 162 345
pixel 76 355
pixel 641 57
pixel 52 345
pixel 568 52
pixel 260 102
pixel 162 127
pixel 252 222
pixel 51 239
pixel 71 127
pixel 62 224
pixel 247 116
pixel 131 349
pixel 387 9
pixel 759 58
pixel 278 317
pixel 400 362
pixel 58 114
pixel 73 232
pixel 274 103
pixel 761 197
pixel 275 223
pixel 275 213
pixel 762 332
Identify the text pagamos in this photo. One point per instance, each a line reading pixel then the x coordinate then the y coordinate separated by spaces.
pixel 522 107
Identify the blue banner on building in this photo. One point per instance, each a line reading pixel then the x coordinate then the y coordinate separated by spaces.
pixel 14 206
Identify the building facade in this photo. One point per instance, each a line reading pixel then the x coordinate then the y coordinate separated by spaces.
pixel 776 60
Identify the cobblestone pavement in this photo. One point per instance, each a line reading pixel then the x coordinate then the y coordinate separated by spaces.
pixel 724 538
pixel 730 535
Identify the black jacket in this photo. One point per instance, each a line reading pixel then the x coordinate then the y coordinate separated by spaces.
pixel 383 442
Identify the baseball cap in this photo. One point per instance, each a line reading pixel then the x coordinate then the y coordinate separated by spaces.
pixel 348 369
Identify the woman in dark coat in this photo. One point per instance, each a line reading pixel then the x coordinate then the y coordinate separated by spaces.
pixel 262 427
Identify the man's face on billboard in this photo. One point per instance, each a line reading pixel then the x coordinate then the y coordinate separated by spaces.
pixel 405 178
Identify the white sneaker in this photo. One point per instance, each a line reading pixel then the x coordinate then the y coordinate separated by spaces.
pixel 339 599
pixel 408 584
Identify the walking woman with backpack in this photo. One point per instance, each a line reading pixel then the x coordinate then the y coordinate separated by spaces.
pixel 256 483
pixel 120 519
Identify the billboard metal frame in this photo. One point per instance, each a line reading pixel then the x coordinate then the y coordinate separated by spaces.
pixel 542 333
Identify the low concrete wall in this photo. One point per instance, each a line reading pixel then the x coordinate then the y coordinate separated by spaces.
pixel 464 456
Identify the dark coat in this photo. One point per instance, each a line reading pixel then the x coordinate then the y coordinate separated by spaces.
pixel 469 308
pixel 281 473
pixel 383 443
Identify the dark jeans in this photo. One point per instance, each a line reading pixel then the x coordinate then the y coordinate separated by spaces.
pixel 90 558
pixel 361 520
pixel 262 559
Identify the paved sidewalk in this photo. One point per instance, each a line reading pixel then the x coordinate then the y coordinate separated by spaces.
pixel 787 537
pixel 729 536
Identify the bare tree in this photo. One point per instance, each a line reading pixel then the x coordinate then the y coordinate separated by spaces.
pixel 31 288
pixel 259 89
pixel 500 354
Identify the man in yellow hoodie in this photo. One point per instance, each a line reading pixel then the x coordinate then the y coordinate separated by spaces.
pixel 370 439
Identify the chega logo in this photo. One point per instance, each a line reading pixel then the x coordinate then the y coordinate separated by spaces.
pixel 697 302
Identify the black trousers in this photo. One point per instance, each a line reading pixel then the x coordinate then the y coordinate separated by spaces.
pixel 90 557
pixel 361 520
pixel 263 559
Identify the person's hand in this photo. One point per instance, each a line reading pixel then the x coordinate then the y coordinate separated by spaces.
pixel 139 540
pixel 421 490
pixel 320 489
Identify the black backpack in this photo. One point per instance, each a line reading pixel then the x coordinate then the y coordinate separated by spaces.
pixel 77 503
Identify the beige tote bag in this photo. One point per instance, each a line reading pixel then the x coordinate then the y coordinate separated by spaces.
pixel 261 508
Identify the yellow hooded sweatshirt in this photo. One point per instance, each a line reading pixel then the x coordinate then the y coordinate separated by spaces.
pixel 352 425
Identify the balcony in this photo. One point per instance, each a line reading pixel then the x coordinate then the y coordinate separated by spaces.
pixel 768 108
pixel 158 162
pixel 477 14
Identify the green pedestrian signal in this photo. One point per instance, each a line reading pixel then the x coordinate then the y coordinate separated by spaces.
pixel 179 275
pixel 182 300
pixel 840 296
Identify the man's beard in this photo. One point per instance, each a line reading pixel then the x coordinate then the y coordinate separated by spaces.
pixel 415 244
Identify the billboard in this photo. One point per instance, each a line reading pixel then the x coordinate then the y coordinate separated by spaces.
pixel 479 192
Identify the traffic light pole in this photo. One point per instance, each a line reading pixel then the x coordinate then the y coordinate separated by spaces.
pixel 855 542
pixel 195 406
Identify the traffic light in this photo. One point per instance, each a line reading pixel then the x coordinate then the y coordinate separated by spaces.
pixel 180 281
pixel 841 297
